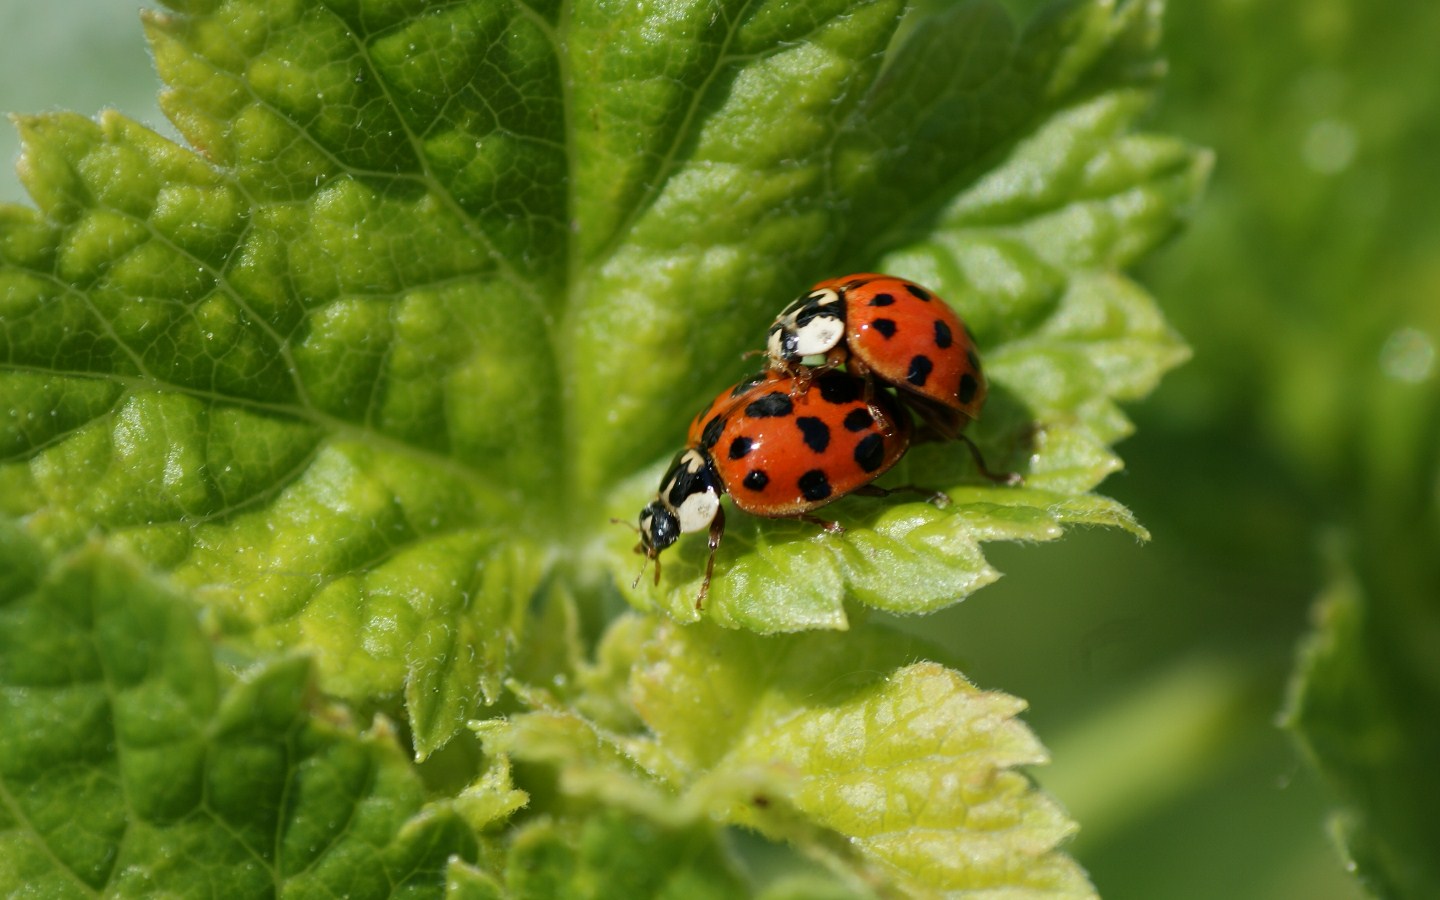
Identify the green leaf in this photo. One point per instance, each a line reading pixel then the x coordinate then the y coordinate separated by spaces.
pixel 364 372
pixel 1363 705
pixel 133 764
pixel 206 420
pixel 902 772
pixel 614 855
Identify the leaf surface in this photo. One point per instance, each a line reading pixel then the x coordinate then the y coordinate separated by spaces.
pixel 901 773
pixel 362 371
pixel 134 764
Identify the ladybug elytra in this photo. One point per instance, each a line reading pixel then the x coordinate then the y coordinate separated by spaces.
pixel 779 452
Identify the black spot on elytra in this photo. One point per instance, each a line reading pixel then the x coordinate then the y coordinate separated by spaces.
pixel 968 386
pixel 870 452
pixel 711 433
pixel 858 420
pixel 776 403
pixel 920 368
pixel 943 337
pixel 918 292
pixel 756 479
pixel 881 300
pixel 837 388
pixel 814 485
pixel 815 432
pixel 740 447
pixel 885 327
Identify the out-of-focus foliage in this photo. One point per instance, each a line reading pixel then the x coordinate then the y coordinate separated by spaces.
pixel 1300 442
pixel 1313 285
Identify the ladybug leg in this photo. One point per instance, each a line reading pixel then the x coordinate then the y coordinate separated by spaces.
pixel 1008 478
pixel 800 378
pixel 829 526
pixel 717 531
pixel 836 357
pixel 939 498
pixel 940 422
pixel 887 422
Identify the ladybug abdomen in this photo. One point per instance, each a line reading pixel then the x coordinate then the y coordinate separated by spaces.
pixel 780 454
pixel 912 339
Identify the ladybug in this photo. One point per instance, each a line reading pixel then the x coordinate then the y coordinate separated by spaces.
pixel 779 452
pixel 891 330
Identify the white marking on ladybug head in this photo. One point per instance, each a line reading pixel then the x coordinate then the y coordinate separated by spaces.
pixel 811 326
pixel 818 336
pixel 775 344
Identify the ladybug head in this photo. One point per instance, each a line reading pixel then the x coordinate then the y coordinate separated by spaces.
pixel 659 528
pixel 689 500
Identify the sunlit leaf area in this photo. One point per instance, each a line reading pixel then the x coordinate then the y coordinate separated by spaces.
pixel 342 344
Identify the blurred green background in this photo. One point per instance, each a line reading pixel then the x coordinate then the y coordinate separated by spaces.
pixel 1304 435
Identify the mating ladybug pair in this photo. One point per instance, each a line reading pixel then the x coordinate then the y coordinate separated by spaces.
pixel 797 436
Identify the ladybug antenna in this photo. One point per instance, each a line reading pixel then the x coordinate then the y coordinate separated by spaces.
pixel 630 525
pixel 643 563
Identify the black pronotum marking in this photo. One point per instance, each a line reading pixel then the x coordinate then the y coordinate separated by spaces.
pixel 776 403
pixel 711 434
pixel 919 292
pixel 943 338
pixel 756 479
pixel 885 327
pixel 881 300
pixel 870 452
pixel 968 387
pixel 811 313
pixel 836 388
pixel 858 420
pixel 814 485
pixel 686 481
pixel 740 447
pixel 920 368
pixel 815 432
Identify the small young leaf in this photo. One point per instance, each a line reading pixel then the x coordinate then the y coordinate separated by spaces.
pixel 614 855
pixel 902 770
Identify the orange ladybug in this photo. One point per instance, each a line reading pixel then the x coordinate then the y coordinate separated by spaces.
pixel 778 452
